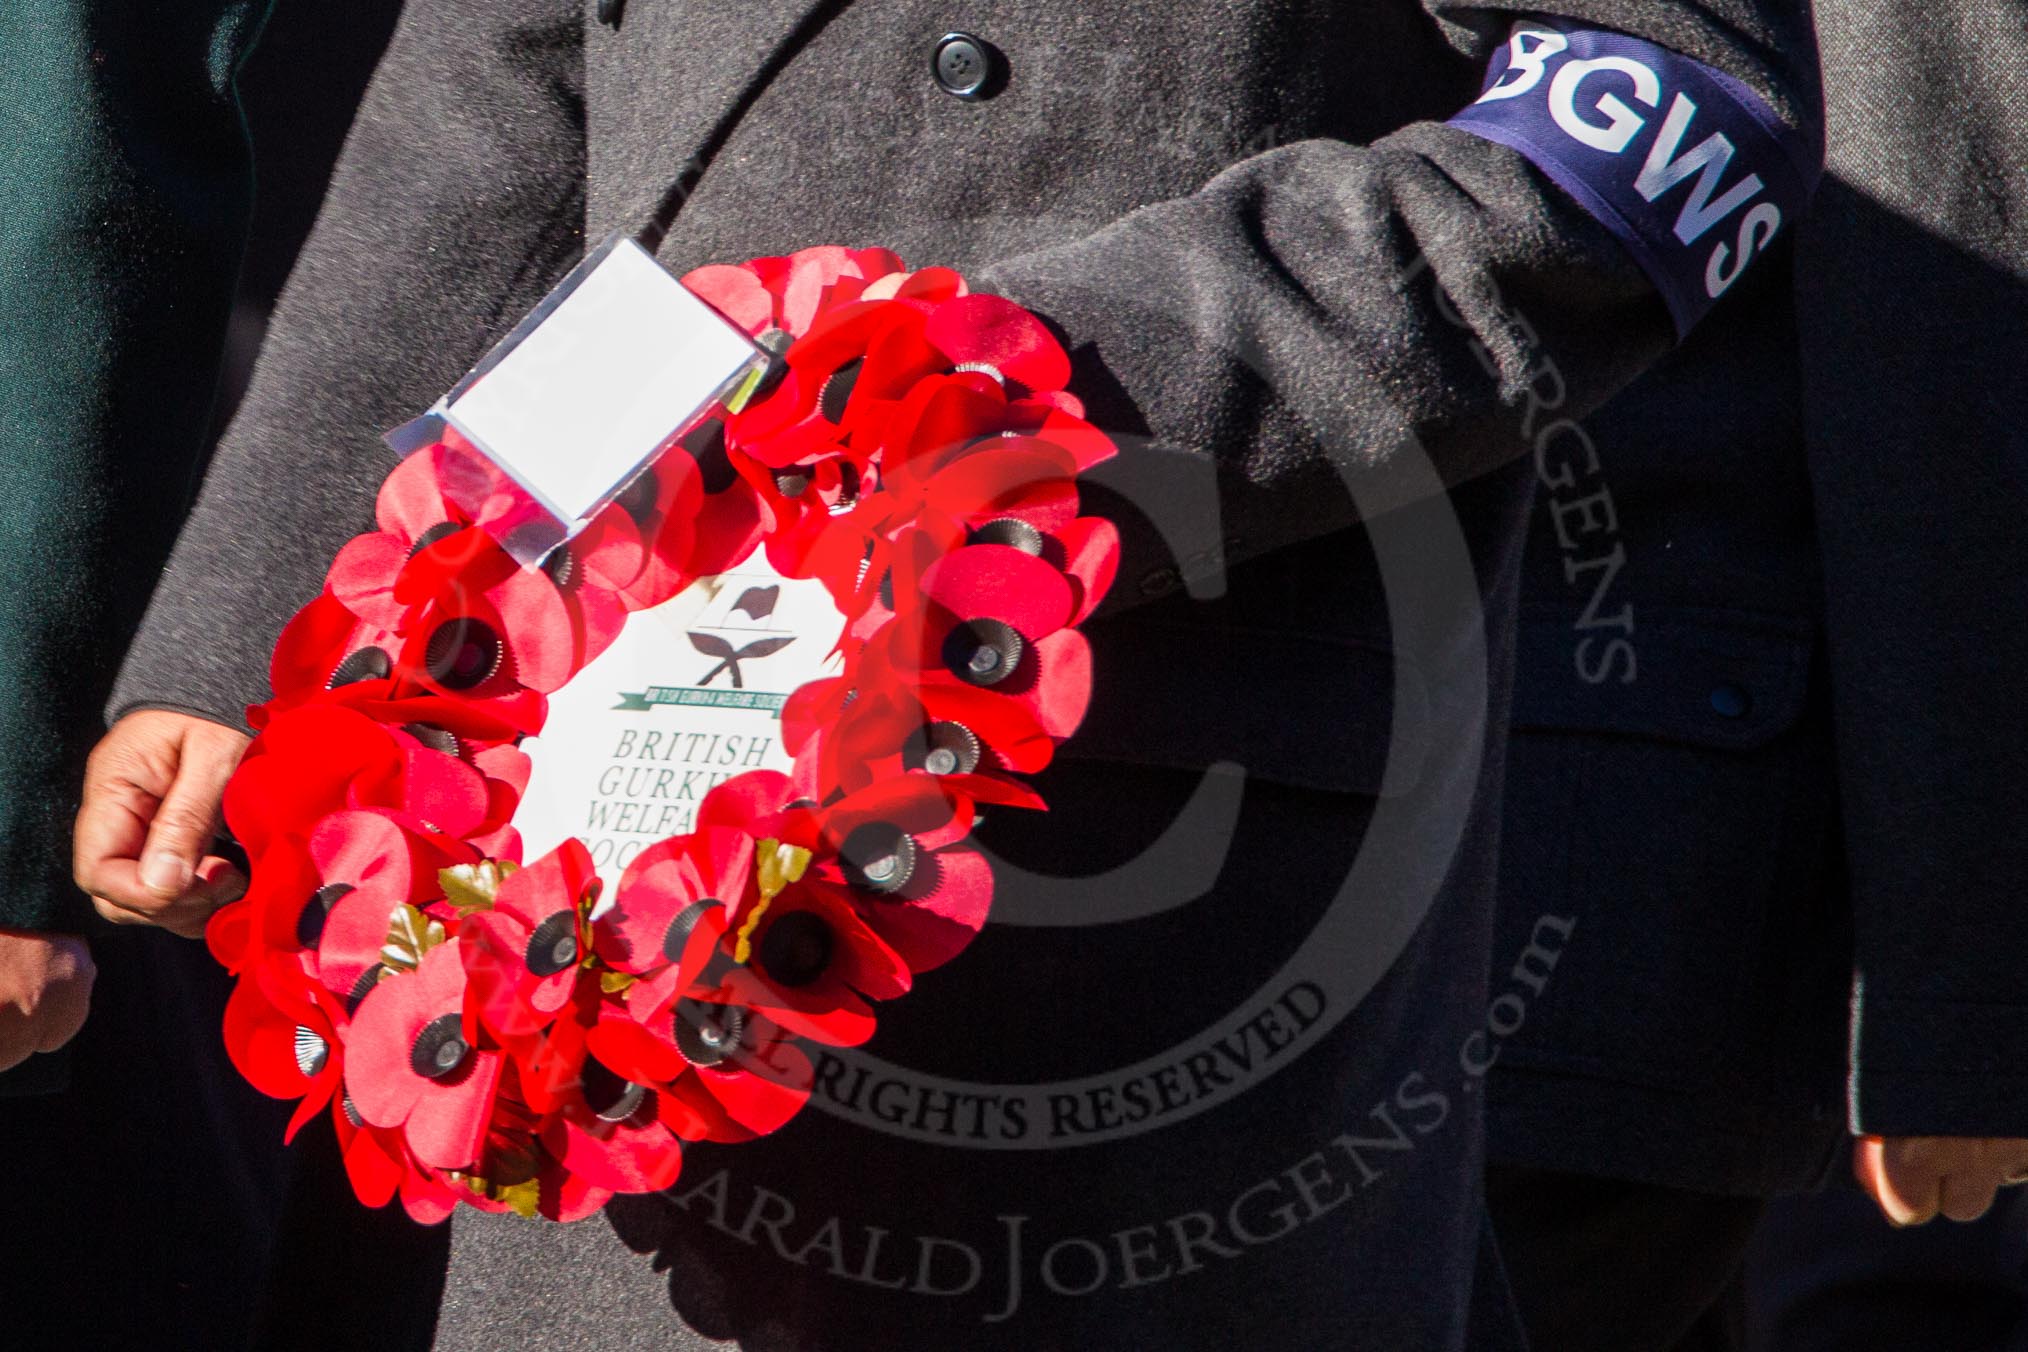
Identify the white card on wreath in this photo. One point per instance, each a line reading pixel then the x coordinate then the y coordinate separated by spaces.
pixel 688 696
pixel 617 359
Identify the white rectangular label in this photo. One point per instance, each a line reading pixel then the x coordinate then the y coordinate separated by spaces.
pixel 580 401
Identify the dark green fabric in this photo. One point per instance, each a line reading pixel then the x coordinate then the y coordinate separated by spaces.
pixel 125 185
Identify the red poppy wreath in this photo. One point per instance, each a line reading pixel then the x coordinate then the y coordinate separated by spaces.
pixel 499 1034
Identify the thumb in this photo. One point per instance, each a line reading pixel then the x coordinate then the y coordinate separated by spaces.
pixel 1904 1176
pixel 1867 1164
pixel 183 826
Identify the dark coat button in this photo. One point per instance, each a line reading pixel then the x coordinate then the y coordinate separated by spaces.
pixel 1731 701
pixel 962 65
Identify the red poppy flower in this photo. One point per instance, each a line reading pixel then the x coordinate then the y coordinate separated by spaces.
pixel 789 293
pixel 306 764
pixel 750 803
pixel 286 1035
pixel 745 1078
pixel 994 335
pixel 375 1159
pixel 941 418
pixel 916 451
pixel 380 1168
pixel 427 1199
pixel 800 503
pixel 1013 492
pixel 858 364
pixel 481 623
pixel 382 577
pixel 924 284
pixel 482 735
pixel 849 733
pixel 242 933
pixel 596 571
pixel 845 378
pixel 604 1125
pixel 674 922
pixel 671 911
pixel 367 858
pixel 503 769
pixel 413 1062
pixel 565 1197
pixel 820 278
pixel 322 647
pixel 853 555
pixel 592 573
pixel 414 513
pixel 458 727
pixel 895 852
pixel 1023 493
pixel 524 956
pixel 688 508
pixel 995 618
pixel 737 293
pixel 812 964
pixel 322 758
pixel 366 864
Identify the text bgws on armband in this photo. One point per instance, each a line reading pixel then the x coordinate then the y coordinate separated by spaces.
pixel 1688 167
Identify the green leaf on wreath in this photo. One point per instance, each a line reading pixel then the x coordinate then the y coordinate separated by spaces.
pixel 473 887
pixel 410 934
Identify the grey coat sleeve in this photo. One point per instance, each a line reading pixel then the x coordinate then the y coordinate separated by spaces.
pixel 457 202
pixel 1353 327
pixel 1300 343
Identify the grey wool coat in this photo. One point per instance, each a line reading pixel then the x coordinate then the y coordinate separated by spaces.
pixel 1785 813
pixel 1238 215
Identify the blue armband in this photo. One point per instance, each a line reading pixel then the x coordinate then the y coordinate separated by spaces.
pixel 1688 167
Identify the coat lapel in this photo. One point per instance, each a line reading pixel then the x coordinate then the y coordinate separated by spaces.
pixel 668 86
